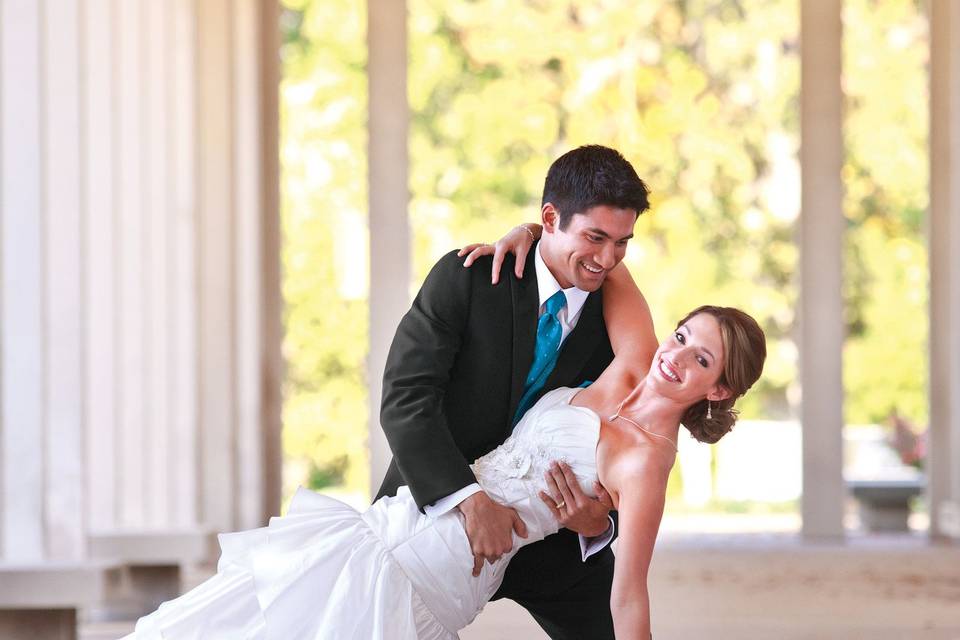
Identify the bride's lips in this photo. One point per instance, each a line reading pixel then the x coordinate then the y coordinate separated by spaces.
pixel 667 371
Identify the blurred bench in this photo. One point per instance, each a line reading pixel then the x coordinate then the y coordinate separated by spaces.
pixel 41 600
pixel 151 565
pixel 884 505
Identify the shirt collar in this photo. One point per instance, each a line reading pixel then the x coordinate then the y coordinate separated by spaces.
pixel 548 286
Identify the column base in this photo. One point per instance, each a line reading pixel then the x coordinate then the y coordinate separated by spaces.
pixel 31 624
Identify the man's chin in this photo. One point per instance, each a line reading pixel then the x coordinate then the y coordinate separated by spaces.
pixel 590 285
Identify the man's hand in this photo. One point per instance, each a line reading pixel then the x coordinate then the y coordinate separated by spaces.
pixel 490 528
pixel 574 509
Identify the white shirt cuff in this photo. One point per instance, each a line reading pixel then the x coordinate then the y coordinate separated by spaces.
pixel 443 505
pixel 589 546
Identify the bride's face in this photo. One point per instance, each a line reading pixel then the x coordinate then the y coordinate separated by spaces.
pixel 689 362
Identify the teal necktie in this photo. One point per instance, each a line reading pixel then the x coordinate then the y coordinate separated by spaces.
pixel 549 333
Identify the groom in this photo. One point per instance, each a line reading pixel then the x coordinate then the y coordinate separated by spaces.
pixel 456 382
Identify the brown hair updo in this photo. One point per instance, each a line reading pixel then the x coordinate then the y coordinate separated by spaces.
pixel 745 349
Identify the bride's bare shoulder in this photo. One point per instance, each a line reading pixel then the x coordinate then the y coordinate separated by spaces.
pixel 635 466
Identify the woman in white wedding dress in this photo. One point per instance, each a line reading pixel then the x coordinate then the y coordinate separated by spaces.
pixel 326 571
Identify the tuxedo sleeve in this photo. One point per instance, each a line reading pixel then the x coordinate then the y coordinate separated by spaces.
pixel 415 379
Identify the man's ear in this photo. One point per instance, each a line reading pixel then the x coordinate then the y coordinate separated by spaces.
pixel 718 393
pixel 550 218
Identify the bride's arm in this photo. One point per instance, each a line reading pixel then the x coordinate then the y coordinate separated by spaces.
pixel 641 497
pixel 628 319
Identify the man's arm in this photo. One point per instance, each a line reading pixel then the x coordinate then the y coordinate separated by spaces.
pixel 417 374
pixel 415 379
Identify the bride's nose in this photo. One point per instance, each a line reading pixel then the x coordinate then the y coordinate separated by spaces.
pixel 687 355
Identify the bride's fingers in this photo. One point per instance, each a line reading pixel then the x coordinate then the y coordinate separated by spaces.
pixel 477 565
pixel 468 248
pixel 498 254
pixel 476 252
pixel 522 252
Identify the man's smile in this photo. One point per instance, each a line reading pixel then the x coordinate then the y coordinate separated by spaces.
pixel 591 268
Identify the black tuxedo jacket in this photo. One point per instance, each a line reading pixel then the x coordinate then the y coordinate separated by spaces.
pixel 454 377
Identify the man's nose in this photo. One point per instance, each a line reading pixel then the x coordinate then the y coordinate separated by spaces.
pixel 607 256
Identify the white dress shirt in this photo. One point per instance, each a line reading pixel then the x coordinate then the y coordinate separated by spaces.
pixel 568 316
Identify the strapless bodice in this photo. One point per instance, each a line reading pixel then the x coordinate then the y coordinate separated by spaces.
pixel 553 429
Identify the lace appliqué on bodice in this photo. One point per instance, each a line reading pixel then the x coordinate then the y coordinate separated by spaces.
pixel 552 430
pixel 518 457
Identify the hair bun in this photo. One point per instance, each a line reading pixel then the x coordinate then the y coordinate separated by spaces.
pixel 709 430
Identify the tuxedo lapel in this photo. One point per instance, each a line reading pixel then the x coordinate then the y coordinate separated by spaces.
pixel 579 345
pixel 526 307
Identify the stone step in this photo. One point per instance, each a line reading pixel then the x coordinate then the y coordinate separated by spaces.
pixel 154 547
pixel 55 585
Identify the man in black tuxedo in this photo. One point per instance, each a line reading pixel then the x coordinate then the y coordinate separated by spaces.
pixel 456 382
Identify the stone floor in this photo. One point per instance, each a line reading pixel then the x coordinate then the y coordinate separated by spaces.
pixel 772 586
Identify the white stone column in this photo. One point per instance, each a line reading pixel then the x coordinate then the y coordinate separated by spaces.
pixel 140 308
pixel 22 526
pixel 821 258
pixel 131 292
pixel 99 276
pixel 158 376
pixel 215 261
pixel 257 309
pixel 139 253
pixel 943 489
pixel 184 398
pixel 271 303
pixel 64 473
pixel 390 257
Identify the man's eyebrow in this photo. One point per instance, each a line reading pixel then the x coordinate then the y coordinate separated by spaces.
pixel 709 353
pixel 601 232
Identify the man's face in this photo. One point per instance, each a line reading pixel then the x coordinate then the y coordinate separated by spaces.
pixel 593 243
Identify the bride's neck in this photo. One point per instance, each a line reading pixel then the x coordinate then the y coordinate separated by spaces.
pixel 654 411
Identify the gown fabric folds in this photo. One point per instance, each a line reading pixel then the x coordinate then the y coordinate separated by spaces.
pixel 391 573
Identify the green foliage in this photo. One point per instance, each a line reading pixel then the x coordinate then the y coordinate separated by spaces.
pixel 886 180
pixel 330 474
pixel 700 95
pixel 323 151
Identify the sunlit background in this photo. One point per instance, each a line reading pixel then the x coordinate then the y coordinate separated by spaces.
pixel 702 98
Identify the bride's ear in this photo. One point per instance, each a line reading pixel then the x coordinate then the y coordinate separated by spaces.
pixel 718 393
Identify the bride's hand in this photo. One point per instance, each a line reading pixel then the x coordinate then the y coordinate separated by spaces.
pixel 517 241
pixel 573 508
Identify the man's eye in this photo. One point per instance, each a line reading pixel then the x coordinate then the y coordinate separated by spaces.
pixel 595 238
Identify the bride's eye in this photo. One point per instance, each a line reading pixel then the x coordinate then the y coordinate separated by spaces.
pixel 680 337
pixel 702 361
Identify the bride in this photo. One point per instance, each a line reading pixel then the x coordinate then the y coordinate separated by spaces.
pixel 391 572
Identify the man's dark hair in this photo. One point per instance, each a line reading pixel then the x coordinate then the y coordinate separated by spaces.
pixel 589 176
